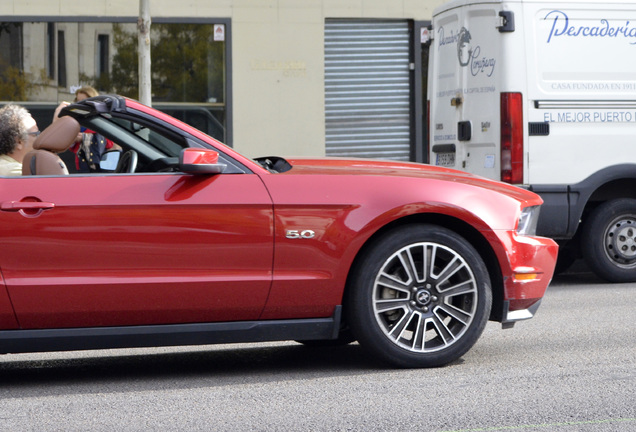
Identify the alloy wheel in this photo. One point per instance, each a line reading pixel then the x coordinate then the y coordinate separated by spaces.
pixel 425 297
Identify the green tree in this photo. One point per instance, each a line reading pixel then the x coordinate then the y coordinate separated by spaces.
pixel 187 66
pixel 13 84
pixel 124 76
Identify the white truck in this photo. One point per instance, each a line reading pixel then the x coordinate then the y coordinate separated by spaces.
pixel 542 94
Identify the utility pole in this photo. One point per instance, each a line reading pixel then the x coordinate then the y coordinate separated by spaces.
pixel 143 25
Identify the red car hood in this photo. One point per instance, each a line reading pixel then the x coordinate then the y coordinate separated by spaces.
pixel 335 166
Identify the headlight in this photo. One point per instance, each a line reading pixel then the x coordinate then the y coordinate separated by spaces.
pixel 528 221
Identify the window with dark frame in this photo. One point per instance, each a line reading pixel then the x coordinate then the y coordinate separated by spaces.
pixel 50 50
pixel 61 60
pixel 190 66
pixel 103 66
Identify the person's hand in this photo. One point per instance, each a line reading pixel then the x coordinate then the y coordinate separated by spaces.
pixel 58 109
pixel 56 115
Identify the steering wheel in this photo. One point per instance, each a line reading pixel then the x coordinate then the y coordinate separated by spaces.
pixel 127 162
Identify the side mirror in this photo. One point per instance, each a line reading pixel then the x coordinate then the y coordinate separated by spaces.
pixel 109 161
pixel 194 160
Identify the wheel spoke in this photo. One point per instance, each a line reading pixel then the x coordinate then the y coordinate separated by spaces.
pixel 441 329
pixel 426 261
pixel 430 262
pixel 388 281
pixel 398 329
pixel 417 329
pixel 406 259
pixel 450 270
pixel 387 305
pixel 419 340
pixel 460 315
pixel 466 287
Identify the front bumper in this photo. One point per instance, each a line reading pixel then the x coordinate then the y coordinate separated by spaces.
pixel 527 269
pixel 510 317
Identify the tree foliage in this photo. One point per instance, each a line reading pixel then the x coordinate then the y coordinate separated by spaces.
pixel 13 84
pixel 187 66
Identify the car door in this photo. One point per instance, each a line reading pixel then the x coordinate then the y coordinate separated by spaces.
pixel 115 250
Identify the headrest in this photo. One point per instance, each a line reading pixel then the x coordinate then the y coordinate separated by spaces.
pixel 58 137
pixel 41 162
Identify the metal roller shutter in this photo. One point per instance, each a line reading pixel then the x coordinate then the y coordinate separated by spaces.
pixel 367 89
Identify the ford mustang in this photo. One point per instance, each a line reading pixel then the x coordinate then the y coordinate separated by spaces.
pixel 176 239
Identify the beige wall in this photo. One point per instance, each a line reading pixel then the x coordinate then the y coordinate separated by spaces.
pixel 278 62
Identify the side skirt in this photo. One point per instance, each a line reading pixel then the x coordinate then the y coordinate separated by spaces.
pixel 24 341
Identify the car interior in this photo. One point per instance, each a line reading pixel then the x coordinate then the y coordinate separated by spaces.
pixel 146 147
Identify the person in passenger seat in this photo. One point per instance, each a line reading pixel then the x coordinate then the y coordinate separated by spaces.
pixel 90 146
pixel 18 131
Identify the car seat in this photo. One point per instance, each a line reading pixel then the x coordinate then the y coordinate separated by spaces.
pixel 58 137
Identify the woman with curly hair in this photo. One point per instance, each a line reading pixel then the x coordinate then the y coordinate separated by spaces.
pixel 18 131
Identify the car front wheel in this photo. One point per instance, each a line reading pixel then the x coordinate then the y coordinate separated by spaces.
pixel 420 297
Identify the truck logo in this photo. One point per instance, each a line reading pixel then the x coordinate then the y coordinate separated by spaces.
pixel 467 55
pixel 464 50
pixel 561 26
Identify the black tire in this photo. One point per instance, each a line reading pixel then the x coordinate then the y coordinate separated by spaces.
pixel 568 254
pixel 410 313
pixel 608 240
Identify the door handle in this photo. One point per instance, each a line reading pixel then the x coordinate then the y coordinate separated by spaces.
pixel 14 206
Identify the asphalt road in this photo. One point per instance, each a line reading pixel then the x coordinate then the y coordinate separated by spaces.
pixel 571 368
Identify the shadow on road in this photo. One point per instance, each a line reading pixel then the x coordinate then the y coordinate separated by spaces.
pixel 184 367
pixel 577 274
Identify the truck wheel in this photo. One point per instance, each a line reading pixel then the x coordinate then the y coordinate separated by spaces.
pixel 420 297
pixel 608 240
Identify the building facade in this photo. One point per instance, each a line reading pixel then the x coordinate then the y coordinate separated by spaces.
pixel 268 77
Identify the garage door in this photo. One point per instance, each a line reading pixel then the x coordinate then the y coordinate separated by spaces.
pixel 368 89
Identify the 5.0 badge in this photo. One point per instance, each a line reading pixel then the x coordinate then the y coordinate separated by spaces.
pixel 298 234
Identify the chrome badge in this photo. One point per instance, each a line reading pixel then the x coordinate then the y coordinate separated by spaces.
pixel 298 234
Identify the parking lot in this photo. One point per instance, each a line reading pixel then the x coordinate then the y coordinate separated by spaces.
pixel 571 368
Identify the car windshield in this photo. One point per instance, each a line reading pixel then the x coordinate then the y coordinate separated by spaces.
pixel 169 146
pixel 128 133
pixel 158 147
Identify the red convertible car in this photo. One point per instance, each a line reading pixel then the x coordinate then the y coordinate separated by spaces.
pixel 180 240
